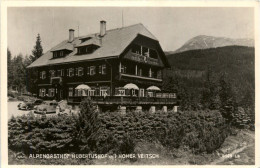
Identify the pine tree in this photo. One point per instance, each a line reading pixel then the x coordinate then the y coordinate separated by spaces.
pixel 37 52
pixel 87 126
pixel 31 74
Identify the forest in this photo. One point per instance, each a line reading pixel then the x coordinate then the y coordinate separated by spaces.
pixel 207 77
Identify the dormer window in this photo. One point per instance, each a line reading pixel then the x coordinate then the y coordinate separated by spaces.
pixel 54 54
pixel 86 49
pixel 60 53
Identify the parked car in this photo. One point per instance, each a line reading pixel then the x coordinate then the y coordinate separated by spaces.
pixel 29 104
pixel 47 107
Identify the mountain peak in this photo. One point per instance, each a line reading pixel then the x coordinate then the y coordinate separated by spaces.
pixel 204 42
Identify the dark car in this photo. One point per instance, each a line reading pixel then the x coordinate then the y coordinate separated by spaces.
pixel 29 104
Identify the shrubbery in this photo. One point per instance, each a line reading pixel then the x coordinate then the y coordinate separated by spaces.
pixel 201 131
pixel 36 135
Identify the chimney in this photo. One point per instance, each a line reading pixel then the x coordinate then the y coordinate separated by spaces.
pixel 71 35
pixel 102 28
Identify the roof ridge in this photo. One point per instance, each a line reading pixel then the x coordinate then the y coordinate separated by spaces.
pixel 110 30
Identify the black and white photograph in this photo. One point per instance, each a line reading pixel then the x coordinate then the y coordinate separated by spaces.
pixel 125 85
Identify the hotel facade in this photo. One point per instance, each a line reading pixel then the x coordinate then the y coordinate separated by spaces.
pixel 118 69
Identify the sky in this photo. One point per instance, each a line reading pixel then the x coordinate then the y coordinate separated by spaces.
pixel 172 26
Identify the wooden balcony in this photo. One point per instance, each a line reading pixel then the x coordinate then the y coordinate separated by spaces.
pixel 143 59
pixel 125 100
pixel 140 77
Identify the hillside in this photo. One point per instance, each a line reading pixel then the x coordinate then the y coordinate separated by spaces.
pixel 204 42
pixel 236 62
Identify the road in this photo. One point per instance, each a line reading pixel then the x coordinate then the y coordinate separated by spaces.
pixel 13 110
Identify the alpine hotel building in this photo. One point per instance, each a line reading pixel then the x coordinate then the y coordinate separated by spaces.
pixel 122 68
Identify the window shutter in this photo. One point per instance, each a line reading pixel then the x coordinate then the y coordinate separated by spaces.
pixel 67 72
pixel 94 70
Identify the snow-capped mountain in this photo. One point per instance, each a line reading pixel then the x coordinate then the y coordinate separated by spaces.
pixel 203 42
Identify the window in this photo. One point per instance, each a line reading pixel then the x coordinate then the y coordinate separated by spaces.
pixel 43 75
pixel 123 69
pixel 80 71
pixel 55 54
pixel 79 50
pixel 100 69
pixel 78 92
pixel 151 73
pixel 120 91
pixel 60 72
pixel 92 70
pixel 42 92
pixel 70 92
pixel 133 92
pixel 172 95
pixel 71 72
pixel 145 51
pixel 61 53
pixel 136 49
pixel 103 91
pixel 150 94
pixel 141 92
pixel 159 74
pixel 104 69
pixel 52 73
pixel 153 54
pixel 51 92
pixel 88 70
pixel 140 72
pixel 91 92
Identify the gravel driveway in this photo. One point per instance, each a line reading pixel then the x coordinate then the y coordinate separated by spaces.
pixel 13 110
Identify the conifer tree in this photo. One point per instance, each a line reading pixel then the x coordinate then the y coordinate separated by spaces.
pixel 87 126
pixel 37 52
pixel 31 74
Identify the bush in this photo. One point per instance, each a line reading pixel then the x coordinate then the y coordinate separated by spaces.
pixel 35 135
pixel 201 131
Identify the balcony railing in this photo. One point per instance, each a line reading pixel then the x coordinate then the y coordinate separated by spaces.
pixel 141 58
pixel 125 100
pixel 141 77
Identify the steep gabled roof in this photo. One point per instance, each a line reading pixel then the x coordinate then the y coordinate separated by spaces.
pixel 112 45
